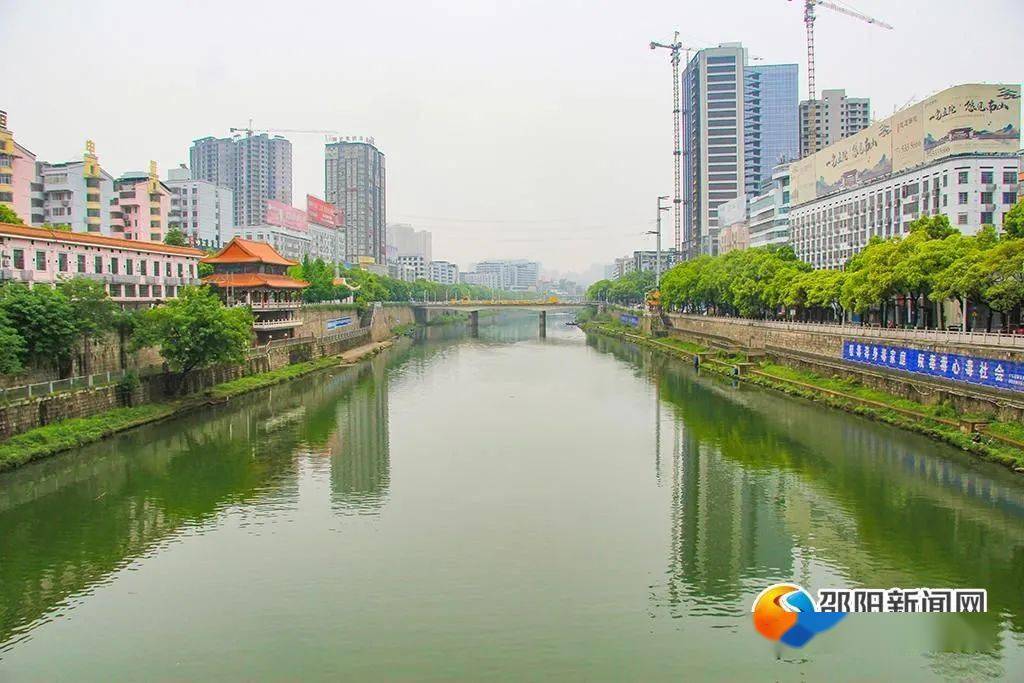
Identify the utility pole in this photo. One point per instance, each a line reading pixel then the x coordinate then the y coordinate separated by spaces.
pixel 657 260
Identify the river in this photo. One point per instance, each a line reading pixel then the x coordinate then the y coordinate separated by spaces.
pixel 502 508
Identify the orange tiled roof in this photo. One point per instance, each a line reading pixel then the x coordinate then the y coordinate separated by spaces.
pixel 254 280
pixel 249 251
pixel 92 239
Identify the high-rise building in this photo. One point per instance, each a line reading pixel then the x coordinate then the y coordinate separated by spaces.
pixel 355 183
pixel 738 122
pixel 202 210
pixel 407 241
pixel 255 167
pixel 416 265
pixel 17 173
pixel 830 119
pixel 771 134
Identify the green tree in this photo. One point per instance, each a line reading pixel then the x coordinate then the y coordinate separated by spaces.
pixel 92 311
pixel 196 330
pixel 44 319
pixel 7 215
pixel 599 290
pixel 1013 222
pixel 1004 291
pixel 175 238
pixel 12 347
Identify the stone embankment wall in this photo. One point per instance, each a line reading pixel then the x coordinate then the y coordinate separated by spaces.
pixel 754 334
pixel 21 416
pixel 820 351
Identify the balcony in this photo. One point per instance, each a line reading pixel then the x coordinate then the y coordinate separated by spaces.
pixel 283 324
pixel 273 305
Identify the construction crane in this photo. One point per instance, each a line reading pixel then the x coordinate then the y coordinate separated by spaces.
pixel 809 17
pixel 675 48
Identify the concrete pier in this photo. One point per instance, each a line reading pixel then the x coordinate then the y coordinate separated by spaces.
pixel 543 324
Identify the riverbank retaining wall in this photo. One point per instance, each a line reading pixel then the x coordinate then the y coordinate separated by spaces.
pixel 821 351
pixel 20 416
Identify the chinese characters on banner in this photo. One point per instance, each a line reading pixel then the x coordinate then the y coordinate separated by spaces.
pixel 987 371
pixel 629 319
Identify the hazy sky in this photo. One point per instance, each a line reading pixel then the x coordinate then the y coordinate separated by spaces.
pixel 537 129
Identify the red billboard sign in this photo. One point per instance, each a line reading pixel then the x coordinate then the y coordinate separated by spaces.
pixel 279 213
pixel 321 213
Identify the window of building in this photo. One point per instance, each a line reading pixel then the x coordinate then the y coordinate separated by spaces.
pixel 961 219
pixel 129 291
pixel 81 263
pixel 1009 177
pixel 167 269
pixel 986 197
pixel 1009 198
pixel 115 290
pixel 962 198
pixel 157 291
pixel 113 266
pixel 129 266
pixel 142 266
pixel 143 291
pixel 962 177
pixel 19 258
pixel 62 262
pixel 97 264
pixel 987 177
pixel 40 260
pixel 986 218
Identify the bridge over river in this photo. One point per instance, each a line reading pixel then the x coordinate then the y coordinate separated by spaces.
pixel 422 311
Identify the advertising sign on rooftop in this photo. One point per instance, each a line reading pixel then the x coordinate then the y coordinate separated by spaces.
pixel 279 213
pixel 965 119
pixel 321 213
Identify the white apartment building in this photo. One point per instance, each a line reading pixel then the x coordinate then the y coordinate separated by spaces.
pixel 202 210
pixel 62 192
pixel 768 212
pixel 292 244
pixel 516 276
pixel 443 272
pixel 419 265
pixel 972 191
pixel 830 119
pixel 407 241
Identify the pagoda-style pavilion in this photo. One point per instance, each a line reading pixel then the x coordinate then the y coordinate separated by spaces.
pixel 253 274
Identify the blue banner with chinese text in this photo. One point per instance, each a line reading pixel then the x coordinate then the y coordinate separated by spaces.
pixel 998 374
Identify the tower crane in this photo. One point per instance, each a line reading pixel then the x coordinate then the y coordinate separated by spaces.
pixel 675 48
pixel 809 18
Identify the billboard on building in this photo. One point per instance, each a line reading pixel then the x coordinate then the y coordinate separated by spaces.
pixel 855 160
pixel 321 213
pixel 802 180
pixel 908 137
pixel 279 213
pixel 965 119
pixel 972 118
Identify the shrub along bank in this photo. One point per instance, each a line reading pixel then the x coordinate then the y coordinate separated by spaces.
pixel 995 441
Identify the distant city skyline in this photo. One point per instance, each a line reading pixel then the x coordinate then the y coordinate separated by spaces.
pixel 494 148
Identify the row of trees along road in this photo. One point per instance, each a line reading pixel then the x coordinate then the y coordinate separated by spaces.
pixel 896 281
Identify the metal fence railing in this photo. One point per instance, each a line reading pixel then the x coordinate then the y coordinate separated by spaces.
pixel 969 338
pixel 99 379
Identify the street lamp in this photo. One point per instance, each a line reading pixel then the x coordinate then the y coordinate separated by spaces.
pixel 657 262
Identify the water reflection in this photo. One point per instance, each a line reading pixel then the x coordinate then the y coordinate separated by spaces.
pixel 766 488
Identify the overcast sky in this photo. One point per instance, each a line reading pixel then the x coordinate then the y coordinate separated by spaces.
pixel 537 129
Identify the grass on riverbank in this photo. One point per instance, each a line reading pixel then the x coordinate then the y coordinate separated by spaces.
pixel 79 431
pixel 249 383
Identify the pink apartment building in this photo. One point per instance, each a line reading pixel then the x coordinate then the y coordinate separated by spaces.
pixel 17 173
pixel 139 208
pixel 135 272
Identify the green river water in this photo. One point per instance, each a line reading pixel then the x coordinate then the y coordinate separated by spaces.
pixel 502 508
